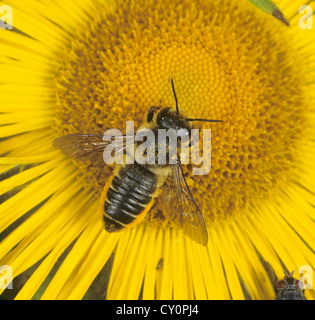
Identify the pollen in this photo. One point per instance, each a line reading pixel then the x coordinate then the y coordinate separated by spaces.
pixel 227 62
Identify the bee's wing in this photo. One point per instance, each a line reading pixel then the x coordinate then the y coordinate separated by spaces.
pixel 270 272
pixel 89 147
pixel 187 214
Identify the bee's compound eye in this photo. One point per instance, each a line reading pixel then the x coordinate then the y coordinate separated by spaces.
pixel 280 284
pixel 163 118
pixel 299 284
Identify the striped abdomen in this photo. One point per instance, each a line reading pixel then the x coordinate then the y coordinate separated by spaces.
pixel 129 194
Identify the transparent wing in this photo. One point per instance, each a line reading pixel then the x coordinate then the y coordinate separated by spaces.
pixel 269 269
pixel 187 214
pixel 89 147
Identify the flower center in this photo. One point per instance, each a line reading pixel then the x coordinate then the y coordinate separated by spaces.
pixel 228 62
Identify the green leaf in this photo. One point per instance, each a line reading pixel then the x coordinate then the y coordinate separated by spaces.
pixel 269 7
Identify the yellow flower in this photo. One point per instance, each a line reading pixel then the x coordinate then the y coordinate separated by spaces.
pixel 86 66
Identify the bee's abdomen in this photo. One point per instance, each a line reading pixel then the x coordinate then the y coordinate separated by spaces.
pixel 130 192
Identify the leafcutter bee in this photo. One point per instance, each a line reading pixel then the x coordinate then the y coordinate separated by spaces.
pixel 288 288
pixel 129 194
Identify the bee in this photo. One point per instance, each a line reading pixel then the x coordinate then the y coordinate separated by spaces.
pixel 288 288
pixel 130 192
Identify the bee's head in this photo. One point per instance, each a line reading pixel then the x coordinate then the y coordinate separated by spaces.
pixel 288 282
pixel 170 118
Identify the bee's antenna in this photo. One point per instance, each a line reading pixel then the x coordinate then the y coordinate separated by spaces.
pixel 205 120
pixel 175 95
pixel 177 109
